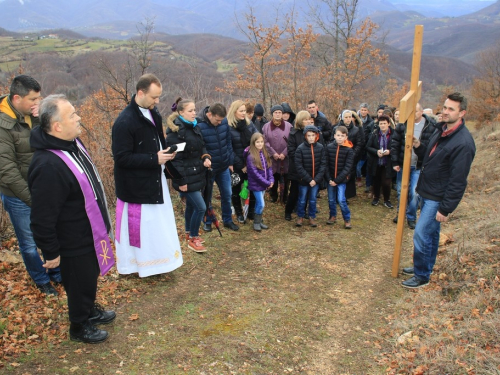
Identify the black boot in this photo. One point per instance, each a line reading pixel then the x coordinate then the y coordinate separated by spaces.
pixel 86 332
pixel 257 222
pixel 100 316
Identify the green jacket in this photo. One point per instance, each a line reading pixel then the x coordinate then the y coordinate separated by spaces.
pixel 15 151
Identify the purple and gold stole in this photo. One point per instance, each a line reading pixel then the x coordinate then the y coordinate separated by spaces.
pixel 102 245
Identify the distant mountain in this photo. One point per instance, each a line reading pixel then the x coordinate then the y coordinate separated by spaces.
pixel 460 37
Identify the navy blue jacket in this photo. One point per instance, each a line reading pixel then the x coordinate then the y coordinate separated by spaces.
pixel 443 176
pixel 217 142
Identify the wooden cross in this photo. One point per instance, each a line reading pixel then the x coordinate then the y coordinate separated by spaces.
pixel 407 108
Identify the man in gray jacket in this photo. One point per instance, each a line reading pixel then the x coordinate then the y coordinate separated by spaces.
pixel 18 114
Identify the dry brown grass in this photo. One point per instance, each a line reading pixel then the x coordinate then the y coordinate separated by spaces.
pixel 455 322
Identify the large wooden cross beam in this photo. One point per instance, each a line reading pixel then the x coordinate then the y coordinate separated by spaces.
pixel 407 108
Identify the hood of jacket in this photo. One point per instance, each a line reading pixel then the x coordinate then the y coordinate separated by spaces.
pixel 171 122
pixel 43 141
pixel 8 114
pixel 347 143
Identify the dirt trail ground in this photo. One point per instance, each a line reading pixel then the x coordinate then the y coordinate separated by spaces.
pixel 287 300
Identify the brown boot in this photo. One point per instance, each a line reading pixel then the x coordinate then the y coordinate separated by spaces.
pixel 347 225
pixel 312 223
pixel 331 220
pixel 299 221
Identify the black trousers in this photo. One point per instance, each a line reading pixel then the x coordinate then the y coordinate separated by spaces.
pixel 381 181
pixel 273 192
pixel 236 200
pixel 79 277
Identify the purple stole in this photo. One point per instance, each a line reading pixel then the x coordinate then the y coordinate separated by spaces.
pixel 102 245
pixel 134 222
pixel 133 214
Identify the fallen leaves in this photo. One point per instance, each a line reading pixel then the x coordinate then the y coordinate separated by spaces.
pixel 133 317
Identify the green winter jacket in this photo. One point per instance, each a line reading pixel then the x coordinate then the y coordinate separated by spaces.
pixel 15 151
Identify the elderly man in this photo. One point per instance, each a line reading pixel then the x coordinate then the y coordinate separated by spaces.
pixel 18 113
pixel 146 234
pixel 447 159
pixel 69 217
pixel 424 127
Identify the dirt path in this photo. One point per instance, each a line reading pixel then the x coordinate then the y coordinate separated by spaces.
pixel 288 300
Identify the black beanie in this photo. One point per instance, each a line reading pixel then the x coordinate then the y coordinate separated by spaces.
pixel 258 110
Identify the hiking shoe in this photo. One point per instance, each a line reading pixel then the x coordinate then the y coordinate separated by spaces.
pixel 241 219
pixel 231 226
pixel 331 220
pixel 312 223
pixel 196 245
pixel 395 220
pixel 187 238
pixel 388 204
pixel 48 289
pixel 299 222
pixel 375 202
pixel 288 217
pixel 414 282
pixel 86 332
pixel 412 224
pixel 100 316
pixel 368 189
pixel 207 227
pixel 408 271
pixel 347 225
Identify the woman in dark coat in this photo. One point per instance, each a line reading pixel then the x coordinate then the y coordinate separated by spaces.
pixel 191 163
pixel 295 138
pixel 241 129
pixel 378 150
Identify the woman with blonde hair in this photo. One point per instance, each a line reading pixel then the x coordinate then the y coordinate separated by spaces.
pixel 241 129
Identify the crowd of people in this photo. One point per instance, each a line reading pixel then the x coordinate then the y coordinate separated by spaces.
pixel 53 193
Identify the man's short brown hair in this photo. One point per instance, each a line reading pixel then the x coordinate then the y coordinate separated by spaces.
pixel 146 81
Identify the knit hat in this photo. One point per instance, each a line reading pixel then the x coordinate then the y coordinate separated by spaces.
pixel 258 110
pixel 311 128
pixel 346 111
pixel 276 107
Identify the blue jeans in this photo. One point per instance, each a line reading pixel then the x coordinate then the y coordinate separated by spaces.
pixel 309 193
pixel 413 197
pixel 336 194
pixel 19 213
pixel 195 210
pixel 259 202
pixel 426 239
pixel 359 166
pixel 223 180
pixel 369 179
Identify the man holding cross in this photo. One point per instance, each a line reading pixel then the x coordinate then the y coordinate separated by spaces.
pixel 443 178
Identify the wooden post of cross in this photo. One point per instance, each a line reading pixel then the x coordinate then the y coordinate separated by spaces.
pixel 407 113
